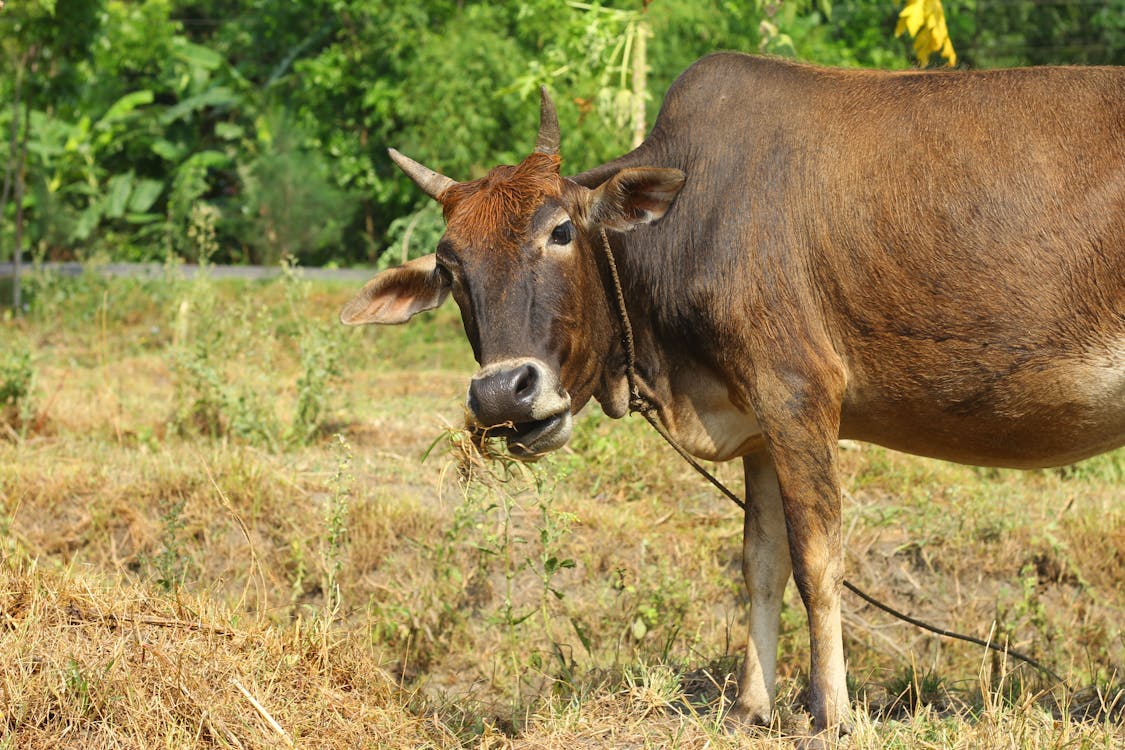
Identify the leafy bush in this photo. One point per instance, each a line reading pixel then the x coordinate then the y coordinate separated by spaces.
pixel 17 386
pixel 218 364
pixel 320 345
pixel 281 124
pixel 292 207
pixel 223 362
pixel 413 235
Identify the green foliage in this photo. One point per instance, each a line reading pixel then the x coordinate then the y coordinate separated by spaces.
pixel 320 354
pixel 78 686
pixel 137 111
pixel 170 562
pixel 320 346
pixel 292 206
pixel 17 387
pixel 49 55
pixel 191 225
pixel 223 367
pixel 1000 33
pixel 211 403
pixel 336 523
pixel 911 690
pixel 64 302
pixel 413 235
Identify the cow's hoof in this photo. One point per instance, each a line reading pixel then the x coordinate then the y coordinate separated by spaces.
pixel 833 738
pixel 742 717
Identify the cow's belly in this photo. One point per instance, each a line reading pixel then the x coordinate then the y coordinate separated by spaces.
pixel 706 423
pixel 1024 444
pixel 1053 412
pixel 1045 415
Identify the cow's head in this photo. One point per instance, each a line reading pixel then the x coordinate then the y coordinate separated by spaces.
pixel 522 256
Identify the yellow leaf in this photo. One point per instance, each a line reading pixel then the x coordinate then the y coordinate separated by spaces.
pixel 911 18
pixel 925 21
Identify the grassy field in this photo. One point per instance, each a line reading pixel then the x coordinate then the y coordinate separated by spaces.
pixel 228 522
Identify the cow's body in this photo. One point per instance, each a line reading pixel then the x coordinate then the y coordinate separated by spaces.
pixel 954 241
pixel 930 261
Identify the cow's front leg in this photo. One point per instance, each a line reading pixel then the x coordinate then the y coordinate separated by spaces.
pixel 811 498
pixel 765 568
pixel 803 440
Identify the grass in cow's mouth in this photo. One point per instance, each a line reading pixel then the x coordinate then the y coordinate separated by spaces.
pixel 593 598
pixel 489 441
pixel 505 439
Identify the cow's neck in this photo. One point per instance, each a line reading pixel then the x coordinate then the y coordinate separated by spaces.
pixel 672 368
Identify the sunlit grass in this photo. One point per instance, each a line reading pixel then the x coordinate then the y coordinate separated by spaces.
pixel 593 599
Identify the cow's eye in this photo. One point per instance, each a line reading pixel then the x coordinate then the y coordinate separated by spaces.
pixel 443 273
pixel 562 234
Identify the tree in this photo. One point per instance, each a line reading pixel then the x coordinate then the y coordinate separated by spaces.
pixel 270 119
pixel 42 55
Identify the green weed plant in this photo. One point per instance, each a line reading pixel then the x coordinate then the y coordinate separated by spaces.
pixel 223 358
pixel 336 523
pixel 17 388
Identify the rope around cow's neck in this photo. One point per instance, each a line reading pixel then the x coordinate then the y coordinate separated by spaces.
pixel 646 407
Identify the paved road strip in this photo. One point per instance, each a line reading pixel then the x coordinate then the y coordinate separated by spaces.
pixel 188 270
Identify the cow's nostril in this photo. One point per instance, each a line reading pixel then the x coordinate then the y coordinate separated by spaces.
pixel 527 383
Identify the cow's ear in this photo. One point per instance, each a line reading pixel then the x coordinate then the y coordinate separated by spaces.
pixel 398 294
pixel 634 196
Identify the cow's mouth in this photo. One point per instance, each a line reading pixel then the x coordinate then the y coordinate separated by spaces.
pixel 531 440
pixel 521 401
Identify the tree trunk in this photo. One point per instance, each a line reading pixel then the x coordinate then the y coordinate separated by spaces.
pixel 13 175
pixel 17 251
pixel 640 83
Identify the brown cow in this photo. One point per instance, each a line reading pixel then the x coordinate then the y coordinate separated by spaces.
pixel 931 261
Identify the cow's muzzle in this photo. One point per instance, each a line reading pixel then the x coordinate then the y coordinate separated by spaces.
pixel 521 400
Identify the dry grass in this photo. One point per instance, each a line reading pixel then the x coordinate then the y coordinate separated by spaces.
pixel 95 664
pixel 159 587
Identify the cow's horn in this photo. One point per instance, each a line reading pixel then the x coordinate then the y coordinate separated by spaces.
pixel 432 183
pixel 548 140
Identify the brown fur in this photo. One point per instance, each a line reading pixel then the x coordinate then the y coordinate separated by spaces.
pixel 499 206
